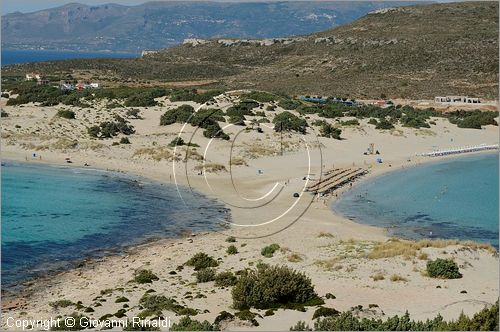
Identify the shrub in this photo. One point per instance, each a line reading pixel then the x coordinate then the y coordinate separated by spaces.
pixel 61 304
pixel 223 316
pixel 181 114
pixel 188 324
pixel 4 114
pixel 225 279
pixel 205 275
pixel 275 286
pixel 300 326
pixel 231 239
pixel 215 131
pixel 145 276
pixel 231 250
pixel 443 268
pixel 201 261
pixel 66 114
pixel 384 124
pixel 485 320
pixel 121 299
pixel 327 130
pixel 124 140
pixel 397 277
pixel 269 250
pixel 248 316
pixel 133 113
pixel 154 305
pixel 77 326
pixel 373 121
pixel 287 121
pixel 325 312
pixel 178 141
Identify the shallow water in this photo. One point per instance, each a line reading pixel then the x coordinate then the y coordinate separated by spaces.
pixel 451 199
pixel 53 216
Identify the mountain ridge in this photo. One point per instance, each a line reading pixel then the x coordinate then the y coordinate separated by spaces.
pixel 154 25
pixel 413 52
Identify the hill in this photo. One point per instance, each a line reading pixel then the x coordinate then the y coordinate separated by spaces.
pixel 156 25
pixel 408 52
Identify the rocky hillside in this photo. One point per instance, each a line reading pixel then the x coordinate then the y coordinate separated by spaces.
pixel 162 24
pixel 411 52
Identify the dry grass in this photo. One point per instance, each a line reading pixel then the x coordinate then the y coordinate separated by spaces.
pixel 211 168
pixel 156 153
pixel 64 144
pixel 409 249
pixel 378 276
pixel 423 256
pixel 325 234
pixel 238 161
pixel 327 264
pixel 397 278
pixel 295 257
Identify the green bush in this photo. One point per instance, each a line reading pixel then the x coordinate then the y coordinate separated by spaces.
pixel 178 141
pixel 153 305
pixel 124 140
pixel 4 114
pixel 225 279
pixel 275 286
pixel 485 320
pixel 287 121
pixel 77 326
pixel 121 299
pixel 61 304
pixel 325 312
pixel 327 130
pixel 202 261
pixel 181 114
pixel 373 121
pixel 232 250
pixel 205 275
pixel 269 250
pixel 231 239
pixel 145 276
pixel 384 124
pixel 443 268
pixel 66 114
pixel 188 324
pixel 215 131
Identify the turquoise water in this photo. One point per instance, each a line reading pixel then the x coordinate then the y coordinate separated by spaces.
pixel 23 56
pixel 452 199
pixel 55 216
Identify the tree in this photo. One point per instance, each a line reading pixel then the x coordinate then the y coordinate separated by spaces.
pixel 287 121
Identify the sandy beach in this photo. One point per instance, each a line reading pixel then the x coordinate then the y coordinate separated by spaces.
pixel 258 187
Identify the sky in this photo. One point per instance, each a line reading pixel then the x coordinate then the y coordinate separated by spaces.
pixel 26 6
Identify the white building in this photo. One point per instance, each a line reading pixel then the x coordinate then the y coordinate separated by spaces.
pixel 457 100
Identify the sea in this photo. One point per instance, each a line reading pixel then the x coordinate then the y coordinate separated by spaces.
pixel 450 199
pixel 23 56
pixel 54 217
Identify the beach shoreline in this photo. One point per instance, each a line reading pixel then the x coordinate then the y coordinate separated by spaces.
pixel 330 249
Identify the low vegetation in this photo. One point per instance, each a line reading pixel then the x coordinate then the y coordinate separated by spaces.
pixel 144 276
pixel 188 324
pixel 225 279
pixel 202 261
pixel 273 286
pixel 268 251
pixel 109 129
pixel 205 275
pixel 485 320
pixel 443 268
pixel 66 114
pixel 232 250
